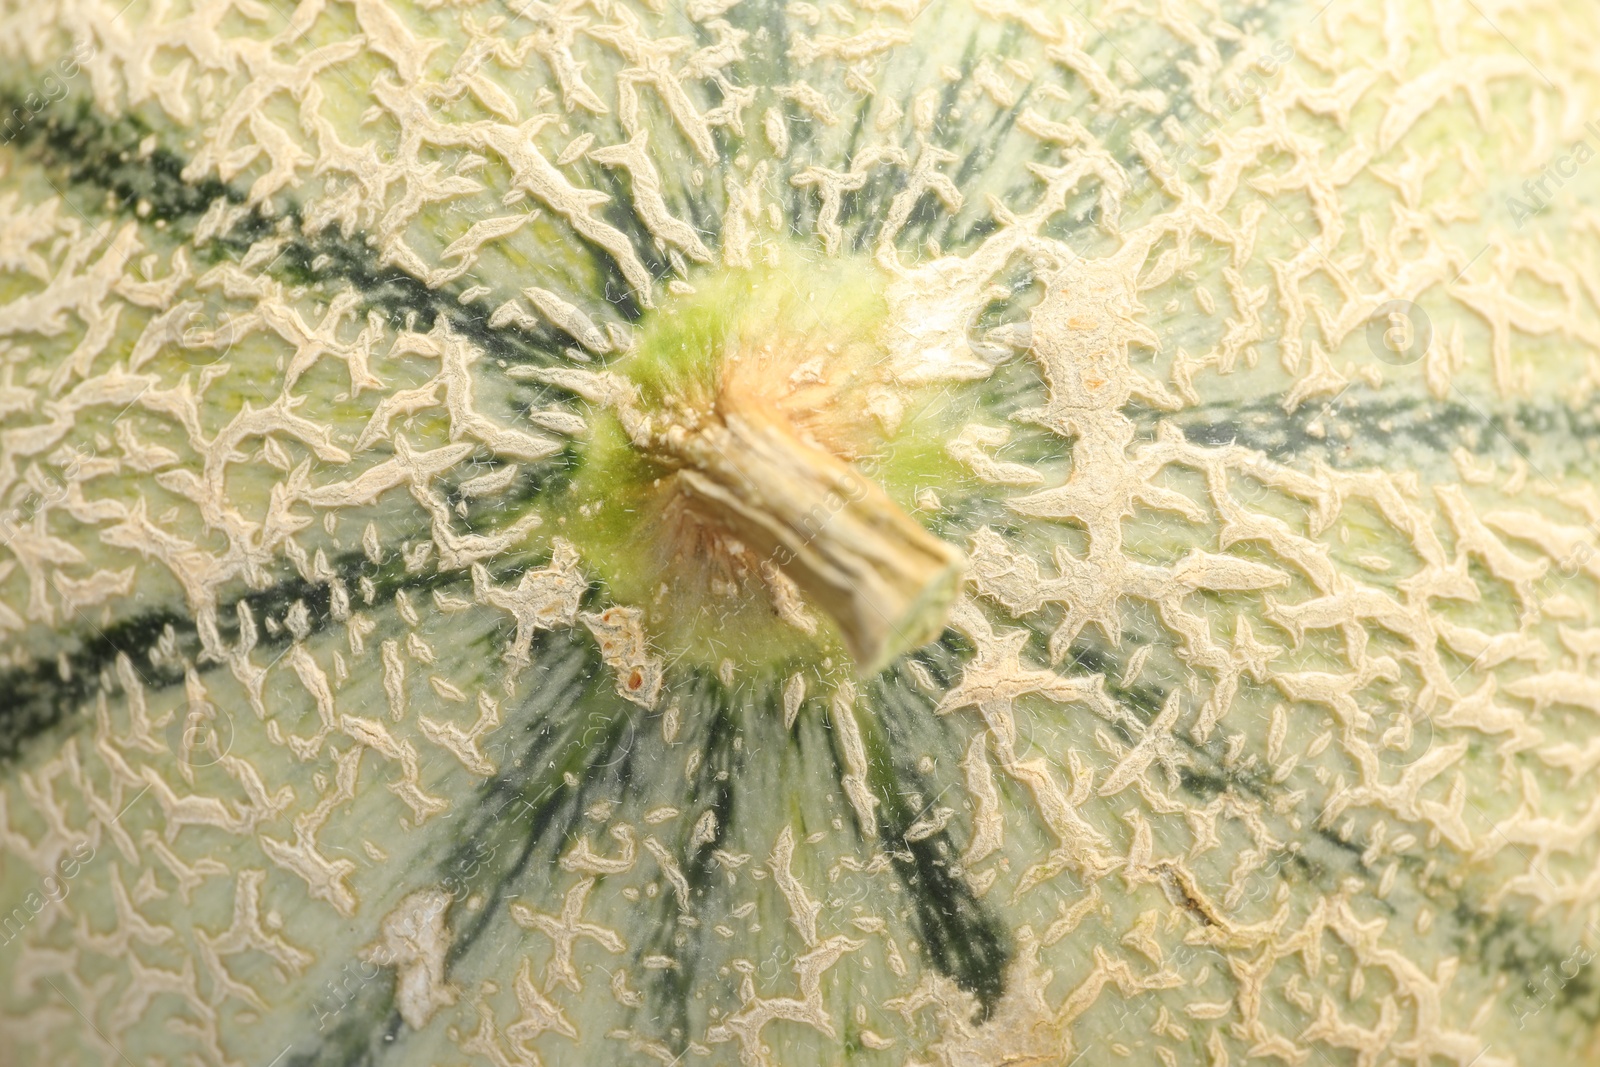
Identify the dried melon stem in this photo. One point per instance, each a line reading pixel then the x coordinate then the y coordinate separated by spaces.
pixel 748 480
pixel 885 581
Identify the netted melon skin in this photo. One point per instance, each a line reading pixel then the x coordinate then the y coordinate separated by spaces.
pixel 1245 353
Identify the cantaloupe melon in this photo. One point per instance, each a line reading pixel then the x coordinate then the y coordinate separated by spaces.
pixel 904 532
